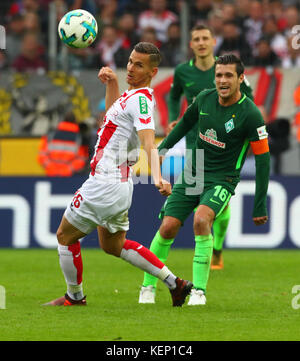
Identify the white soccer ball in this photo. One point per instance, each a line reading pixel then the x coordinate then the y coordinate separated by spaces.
pixel 78 28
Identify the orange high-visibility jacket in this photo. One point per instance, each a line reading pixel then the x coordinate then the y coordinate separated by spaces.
pixel 297 116
pixel 61 152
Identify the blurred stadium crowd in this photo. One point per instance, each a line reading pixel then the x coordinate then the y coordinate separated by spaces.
pixel 258 31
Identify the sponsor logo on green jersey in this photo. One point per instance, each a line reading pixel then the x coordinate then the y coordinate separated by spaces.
pixel 143 105
pixel 210 137
pixel 229 125
pixel 211 133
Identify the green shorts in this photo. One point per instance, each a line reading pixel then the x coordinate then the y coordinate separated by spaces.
pixel 180 205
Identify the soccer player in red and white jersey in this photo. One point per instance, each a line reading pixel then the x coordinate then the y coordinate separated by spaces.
pixel 103 200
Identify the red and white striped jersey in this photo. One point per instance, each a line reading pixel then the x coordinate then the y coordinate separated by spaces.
pixel 118 144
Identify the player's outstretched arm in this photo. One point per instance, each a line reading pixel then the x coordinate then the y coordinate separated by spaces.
pixel 147 137
pixel 108 77
pixel 260 149
pixel 182 127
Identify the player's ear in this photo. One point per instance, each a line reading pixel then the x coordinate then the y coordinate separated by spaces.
pixel 241 78
pixel 154 71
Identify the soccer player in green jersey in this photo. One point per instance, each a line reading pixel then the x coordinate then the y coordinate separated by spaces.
pixel 189 79
pixel 228 122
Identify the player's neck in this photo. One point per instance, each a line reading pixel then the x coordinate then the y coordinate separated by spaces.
pixel 226 102
pixel 205 63
pixel 132 87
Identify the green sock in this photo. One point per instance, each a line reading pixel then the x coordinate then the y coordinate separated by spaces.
pixel 160 247
pixel 201 262
pixel 220 227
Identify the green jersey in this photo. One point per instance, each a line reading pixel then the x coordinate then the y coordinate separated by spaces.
pixel 224 133
pixel 190 81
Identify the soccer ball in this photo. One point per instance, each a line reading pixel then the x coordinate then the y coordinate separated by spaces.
pixel 78 28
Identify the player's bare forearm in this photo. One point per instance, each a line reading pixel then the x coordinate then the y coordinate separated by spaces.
pixel 108 77
pixel 147 138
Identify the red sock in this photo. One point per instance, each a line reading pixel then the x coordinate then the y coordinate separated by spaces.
pixel 71 263
pixel 141 257
pixel 77 260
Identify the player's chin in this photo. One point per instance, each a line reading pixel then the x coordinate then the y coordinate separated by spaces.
pixel 224 93
pixel 130 79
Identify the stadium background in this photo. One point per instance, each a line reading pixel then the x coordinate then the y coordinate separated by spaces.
pixel 32 103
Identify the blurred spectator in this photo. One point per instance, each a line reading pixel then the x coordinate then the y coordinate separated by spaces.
pixel 242 11
pixel 265 56
pixel 14 36
pixel 135 7
pixel 32 55
pixel 253 25
pixel 215 23
pixel 62 152
pixel 108 46
pixel 199 11
pixel 292 58
pixel 88 5
pixel 158 18
pixel 234 42
pixel 3 60
pixel 31 5
pixel 38 7
pixel 107 13
pixel 171 52
pixel 292 18
pixel 149 35
pixel 277 40
pixel 126 27
pixel 32 23
pixel 276 10
pixel 229 12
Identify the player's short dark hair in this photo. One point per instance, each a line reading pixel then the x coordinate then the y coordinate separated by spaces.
pixel 151 50
pixel 231 59
pixel 201 27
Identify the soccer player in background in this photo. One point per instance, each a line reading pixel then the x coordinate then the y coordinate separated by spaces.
pixel 103 200
pixel 227 122
pixel 189 79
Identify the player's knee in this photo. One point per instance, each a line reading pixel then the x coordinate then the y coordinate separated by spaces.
pixel 62 238
pixel 169 229
pixel 202 224
pixel 112 250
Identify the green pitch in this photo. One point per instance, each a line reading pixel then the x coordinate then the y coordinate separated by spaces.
pixel 251 299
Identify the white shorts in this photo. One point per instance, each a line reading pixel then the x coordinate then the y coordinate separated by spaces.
pixel 98 203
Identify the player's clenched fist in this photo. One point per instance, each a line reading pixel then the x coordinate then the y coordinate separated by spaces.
pixel 106 75
pixel 164 188
pixel 258 221
pixel 171 126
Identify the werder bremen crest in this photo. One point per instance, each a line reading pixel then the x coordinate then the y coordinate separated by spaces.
pixel 229 125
